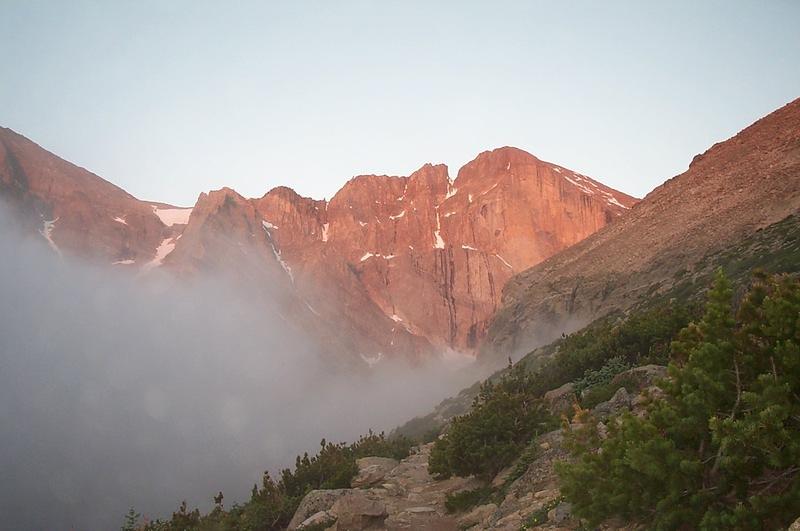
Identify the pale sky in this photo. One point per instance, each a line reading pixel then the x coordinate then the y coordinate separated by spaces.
pixel 168 99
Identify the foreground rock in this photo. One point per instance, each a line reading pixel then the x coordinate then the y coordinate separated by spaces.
pixel 372 470
pixel 404 496
pixel 561 400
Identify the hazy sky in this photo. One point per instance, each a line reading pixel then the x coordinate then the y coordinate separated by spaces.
pixel 169 99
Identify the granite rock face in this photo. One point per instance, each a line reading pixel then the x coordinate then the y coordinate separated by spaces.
pixel 74 210
pixel 391 266
pixel 728 193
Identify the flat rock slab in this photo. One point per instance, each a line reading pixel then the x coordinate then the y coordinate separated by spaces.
pixel 315 502
pixel 372 470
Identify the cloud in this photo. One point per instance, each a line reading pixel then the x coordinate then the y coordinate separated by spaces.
pixel 119 391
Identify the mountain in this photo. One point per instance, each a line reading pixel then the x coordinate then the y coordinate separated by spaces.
pixel 83 213
pixel 390 266
pixel 729 193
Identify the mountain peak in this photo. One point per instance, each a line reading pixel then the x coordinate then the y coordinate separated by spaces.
pixel 732 190
pixel 407 265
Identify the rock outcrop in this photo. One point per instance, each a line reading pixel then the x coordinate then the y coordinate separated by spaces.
pixel 75 210
pixel 730 192
pixel 390 266
pixel 406 498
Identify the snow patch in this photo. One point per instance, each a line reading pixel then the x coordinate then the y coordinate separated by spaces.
pixel 367 256
pixel 504 261
pixel 405 189
pixel 363 224
pixel 398 216
pixel 396 318
pixel 163 250
pixel 469 248
pixel 557 170
pixel 172 216
pixel 267 225
pixel 581 182
pixel 120 220
pixel 325 231
pixel 47 232
pixel 124 262
pixel 611 200
pixel 579 185
pixel 448 214
pixel 276 252
pixel 490 189
pixel 450 192
pixel 438 242
pixel 508 166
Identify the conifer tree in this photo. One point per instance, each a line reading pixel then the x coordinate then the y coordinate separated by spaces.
pixel 722 451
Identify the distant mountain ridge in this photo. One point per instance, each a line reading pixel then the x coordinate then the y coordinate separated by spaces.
pixel 390 266
pixel 736 188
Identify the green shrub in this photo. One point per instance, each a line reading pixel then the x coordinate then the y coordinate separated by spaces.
pixel 528 456
pixel 505 416
pixel 721 451
pixel 332 468
pixel 603 375
pixel 272 505
pixel 643 337
pixel 131 520
pixel 372 445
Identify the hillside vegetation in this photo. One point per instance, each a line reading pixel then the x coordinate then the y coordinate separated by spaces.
pixel 715 446
pixel 722 449
pixel 774 249
pixel 272 505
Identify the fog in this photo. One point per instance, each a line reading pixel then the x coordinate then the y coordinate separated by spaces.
pixel 119 391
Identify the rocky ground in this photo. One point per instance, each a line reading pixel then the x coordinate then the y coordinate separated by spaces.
pixel 388 494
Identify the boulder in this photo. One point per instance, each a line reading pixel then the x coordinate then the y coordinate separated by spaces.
pixel 477 516
pixel 317 519
pixel 372 470
pixel 619 402
pixel 643 376
pixel 560 400
pixel 315 502
pixel 647 395
pixel 560 513
pixel 357 510
pixel 511 522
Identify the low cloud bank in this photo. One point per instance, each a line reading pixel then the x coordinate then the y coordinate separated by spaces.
pixel 116 392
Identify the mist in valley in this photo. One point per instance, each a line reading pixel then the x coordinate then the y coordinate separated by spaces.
pixel 120 391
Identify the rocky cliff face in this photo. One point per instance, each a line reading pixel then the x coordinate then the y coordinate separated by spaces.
pixel 73 208
pixel 390 266
pixel 430 254
pixel 730 192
